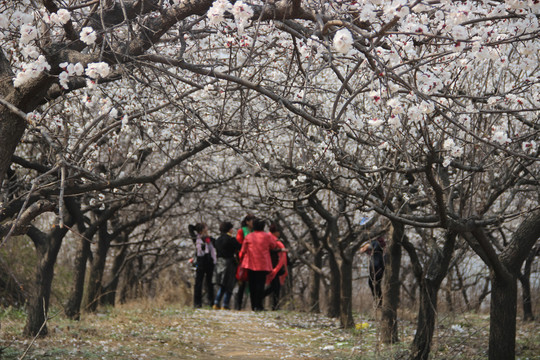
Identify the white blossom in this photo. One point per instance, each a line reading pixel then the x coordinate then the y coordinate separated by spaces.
pixel 88 35
pixel 343 41
pixel 242 14
pixel 30 52
pixel 96 70
pixel 500 136
pixel 216 13
pixel 529 147
pixel 28 33
pixel 63 16
pixel 63 79
pixel 31 71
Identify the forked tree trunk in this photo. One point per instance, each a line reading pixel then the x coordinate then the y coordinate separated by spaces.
pixel 421 345
pixel 505 270
pixel 38 303
pixel 47 246
pixel 430 284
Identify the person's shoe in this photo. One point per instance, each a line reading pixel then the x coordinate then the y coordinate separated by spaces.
pixel 215 307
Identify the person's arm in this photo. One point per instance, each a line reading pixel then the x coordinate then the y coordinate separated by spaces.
pixel 240 236
pixel 244 249
pixel 198 246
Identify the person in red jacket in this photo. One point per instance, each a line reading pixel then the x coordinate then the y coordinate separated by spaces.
pixel 255 257
pixel 246 228
pixel 276 278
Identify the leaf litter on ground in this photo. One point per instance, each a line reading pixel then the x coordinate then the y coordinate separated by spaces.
pixel 142 332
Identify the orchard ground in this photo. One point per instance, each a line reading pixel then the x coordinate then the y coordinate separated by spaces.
pixel 141 331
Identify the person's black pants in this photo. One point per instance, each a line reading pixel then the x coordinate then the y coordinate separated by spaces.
pixel 240 295
pixel 375 282
pixel 257 280
pixel 204 272
pixel 274 289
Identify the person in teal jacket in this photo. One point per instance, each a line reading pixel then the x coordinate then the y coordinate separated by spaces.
pixel 246 228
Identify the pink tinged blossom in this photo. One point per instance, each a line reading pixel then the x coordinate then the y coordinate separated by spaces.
pixel 96 70
pixel 30 52
pixel 343 41
pixel 79 69
pixel 31 71
pixel 529 147
pixel 61 17
pixel 88 35
pixel 28 33
pixel 63 79
pixel 501 137
pixel 216 14
pixel 460 32
pixel 375 122
pixel 446 161
pixel 242 14
pixel 18 18
pixel 453 148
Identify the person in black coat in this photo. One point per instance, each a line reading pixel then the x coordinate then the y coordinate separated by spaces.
pixel 206 258
pixel 375 250
pixel 227 248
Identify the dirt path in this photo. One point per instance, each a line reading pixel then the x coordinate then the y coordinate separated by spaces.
pixel 268 335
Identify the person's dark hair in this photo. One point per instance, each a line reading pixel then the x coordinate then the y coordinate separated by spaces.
pixel 247 218
pixel 225 227
pixel 274 228
pixel 195 229
pixel 258 224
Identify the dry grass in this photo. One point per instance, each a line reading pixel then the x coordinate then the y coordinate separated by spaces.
pixel 142 330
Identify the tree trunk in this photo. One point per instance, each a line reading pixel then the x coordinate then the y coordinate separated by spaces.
pixel 109 291
pixel 346 316
pixel 391 284
pixel 73 306
pixel 502 331
pixel 38 303
pixel 427 313
pixel 12 126
pixel 429 287
pixel 462 288
pixel 47 246
pixel 505 269
pixel 525 279
pixel 315 287
pixel 96 271
pixel 335 287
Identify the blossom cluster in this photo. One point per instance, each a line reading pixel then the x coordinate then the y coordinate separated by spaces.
pixel 343 41
pixel 31 70
pixel 241 11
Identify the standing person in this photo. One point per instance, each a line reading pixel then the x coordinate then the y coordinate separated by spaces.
pixel 206 258
pixel 276 278
pixel 255 257
pixel 227 248
pixel 246 228
pixel 375 250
